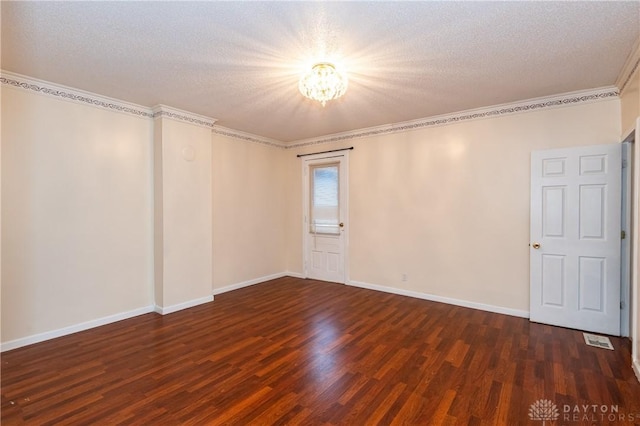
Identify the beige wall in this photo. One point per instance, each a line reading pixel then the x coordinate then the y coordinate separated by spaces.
pixel 248 211
pixel 1 89
pixel 183 237
pixel 449 205
pixel 630 100
pixel 78 242
pixel 76 205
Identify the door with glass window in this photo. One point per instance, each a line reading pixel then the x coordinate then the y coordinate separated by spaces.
pixel 325 217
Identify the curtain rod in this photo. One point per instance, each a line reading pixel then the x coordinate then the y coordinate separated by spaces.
pixel 325 152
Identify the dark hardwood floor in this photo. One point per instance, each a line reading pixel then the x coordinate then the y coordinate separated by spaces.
pixel 294 351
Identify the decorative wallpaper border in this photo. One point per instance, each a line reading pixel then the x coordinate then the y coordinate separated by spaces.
pixel 163 111
pixel 236 134
pixel 497 111
pixel 74 95
pixel 62 92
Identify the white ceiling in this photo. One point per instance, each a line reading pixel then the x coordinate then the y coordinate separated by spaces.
pixel 239 62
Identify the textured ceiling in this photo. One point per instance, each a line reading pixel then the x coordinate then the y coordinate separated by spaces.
pixel 239 62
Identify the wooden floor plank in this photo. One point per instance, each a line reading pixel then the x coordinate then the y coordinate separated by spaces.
pixel 293 351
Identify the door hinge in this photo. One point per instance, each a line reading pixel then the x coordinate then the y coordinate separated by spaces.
pixel 624 164
pixel 623 235
pixel 622 304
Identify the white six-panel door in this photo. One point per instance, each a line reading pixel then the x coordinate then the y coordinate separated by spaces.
pixel 575 238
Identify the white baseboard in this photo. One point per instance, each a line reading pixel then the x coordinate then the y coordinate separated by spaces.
pixel 14 344
pixel 41 337
pixel 250 282
pixel 442 299
pixel 164 310
pixel 636 368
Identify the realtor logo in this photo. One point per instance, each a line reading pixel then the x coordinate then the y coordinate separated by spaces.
pixel 544 410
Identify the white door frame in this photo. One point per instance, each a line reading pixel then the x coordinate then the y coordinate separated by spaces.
pixel 634 134
pixel 344 207
pixel 625 247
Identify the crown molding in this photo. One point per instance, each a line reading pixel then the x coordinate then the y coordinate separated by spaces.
pixel 164 111
pixel 630 67
pixel 557 101
pixel 59 91
pixel 249 137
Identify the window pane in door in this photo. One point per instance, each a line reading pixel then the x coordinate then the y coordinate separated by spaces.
pixel 325 211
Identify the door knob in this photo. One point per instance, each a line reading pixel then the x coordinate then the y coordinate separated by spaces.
pixel 341 225
pixel 535 245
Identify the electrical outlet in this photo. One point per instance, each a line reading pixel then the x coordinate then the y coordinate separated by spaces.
pixel 405 277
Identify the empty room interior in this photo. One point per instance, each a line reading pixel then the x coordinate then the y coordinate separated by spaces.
pixel 331 213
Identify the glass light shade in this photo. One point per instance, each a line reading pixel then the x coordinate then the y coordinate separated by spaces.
pixel 323 83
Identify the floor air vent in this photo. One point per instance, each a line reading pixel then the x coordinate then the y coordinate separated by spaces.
pixel 597 341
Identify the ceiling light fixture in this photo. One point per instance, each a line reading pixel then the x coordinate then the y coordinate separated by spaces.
pixel 323 83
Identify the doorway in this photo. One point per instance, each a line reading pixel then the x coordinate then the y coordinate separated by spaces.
pixel 325 216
